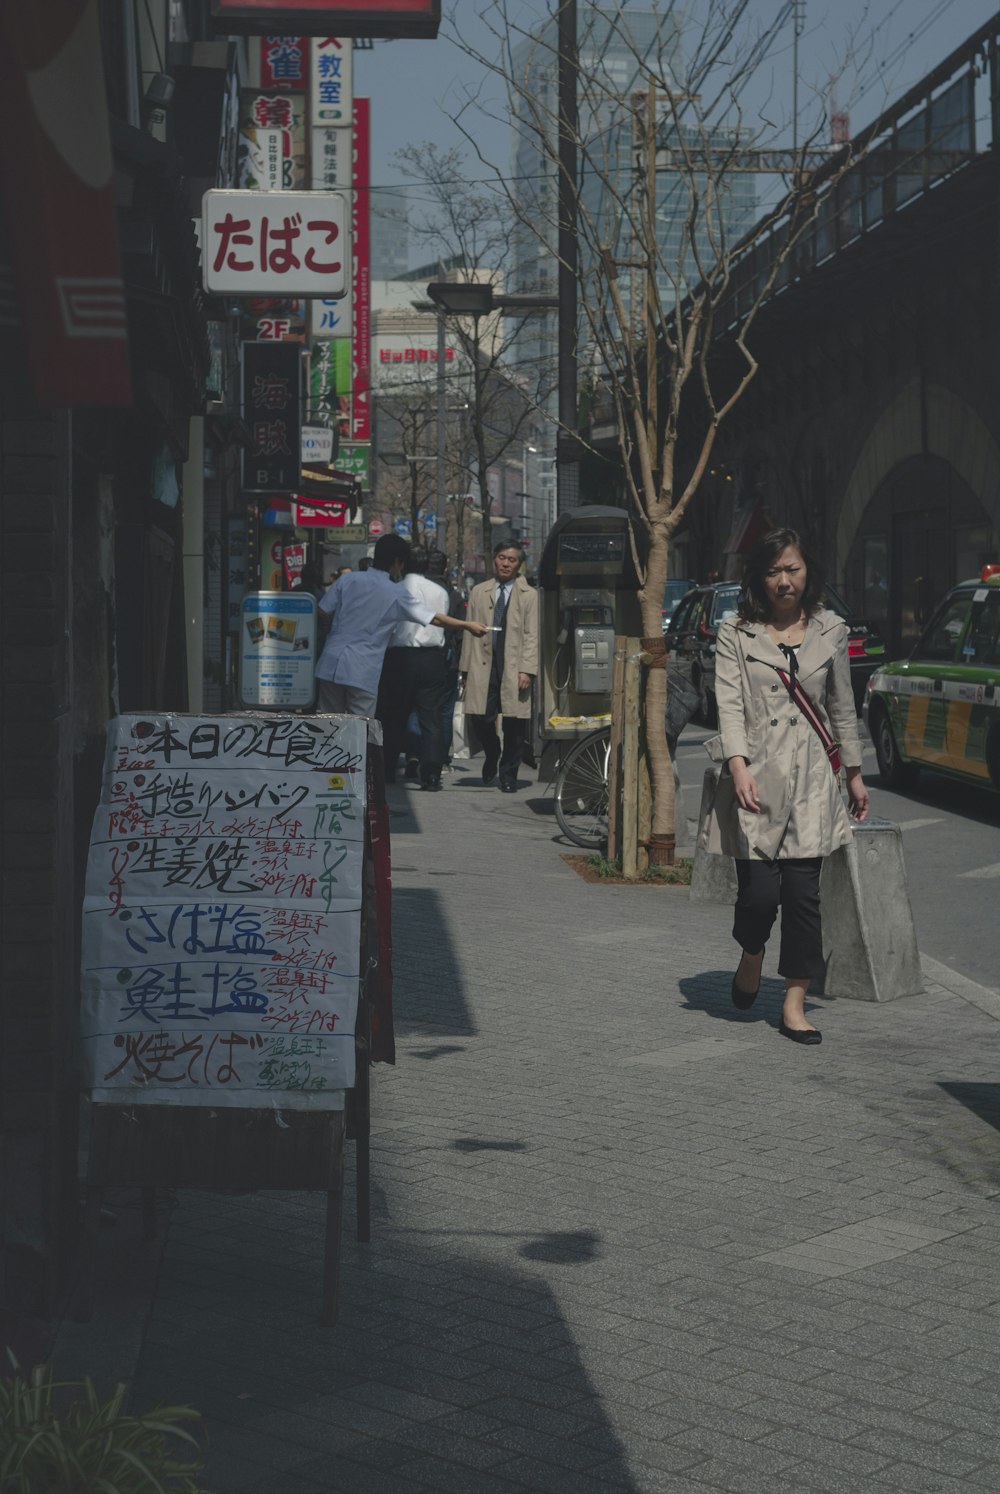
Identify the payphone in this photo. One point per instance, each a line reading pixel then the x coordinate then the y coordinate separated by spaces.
pixel 589 592
pixel 589 620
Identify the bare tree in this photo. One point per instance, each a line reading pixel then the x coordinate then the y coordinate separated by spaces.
pixel 405 415
pixel 469 231
pixel 667 259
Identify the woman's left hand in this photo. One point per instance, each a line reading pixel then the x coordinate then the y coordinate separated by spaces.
pixel 857 794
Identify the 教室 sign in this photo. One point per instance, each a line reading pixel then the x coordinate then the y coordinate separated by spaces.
pixel 331 99
pixel 278 649
pixel 275 243
pixel 221 918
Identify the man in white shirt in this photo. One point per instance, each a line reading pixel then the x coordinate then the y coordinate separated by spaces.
pixel 415 677
pixel 363 608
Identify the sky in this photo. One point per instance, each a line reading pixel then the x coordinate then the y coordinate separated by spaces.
pixel 415 86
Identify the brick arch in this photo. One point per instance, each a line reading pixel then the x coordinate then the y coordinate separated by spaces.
pixel 955 432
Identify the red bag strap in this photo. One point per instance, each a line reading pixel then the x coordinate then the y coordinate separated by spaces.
pixel 809 711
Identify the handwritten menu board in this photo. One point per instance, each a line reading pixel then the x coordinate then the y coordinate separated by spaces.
pixel 222 911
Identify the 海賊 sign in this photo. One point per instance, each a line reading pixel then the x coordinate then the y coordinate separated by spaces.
pixel 272 410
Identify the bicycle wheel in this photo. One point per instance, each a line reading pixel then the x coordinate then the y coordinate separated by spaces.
pixel 582 790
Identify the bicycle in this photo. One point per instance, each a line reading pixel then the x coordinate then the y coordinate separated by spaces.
pixel 582 790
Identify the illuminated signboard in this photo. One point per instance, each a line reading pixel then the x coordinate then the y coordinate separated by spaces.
pixel 405 18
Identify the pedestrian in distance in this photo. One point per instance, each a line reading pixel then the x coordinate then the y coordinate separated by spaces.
pixel 786 719
pixel 363 607
pixel 415 677
pixel 437 570
pixel 500 668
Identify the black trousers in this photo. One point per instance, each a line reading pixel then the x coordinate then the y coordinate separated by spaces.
pixel 515 734
pixel 792 885
pixel 413 679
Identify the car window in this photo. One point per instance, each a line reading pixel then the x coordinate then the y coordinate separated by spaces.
pixel 982 646
pixel 835 602
pixel 941 639
pixel 681 620
pixel 726 601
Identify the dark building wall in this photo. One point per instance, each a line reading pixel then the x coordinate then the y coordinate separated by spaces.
pixel 38 959
pixel 874 423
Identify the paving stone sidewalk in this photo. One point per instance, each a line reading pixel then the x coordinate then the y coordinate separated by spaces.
pixel 624 1238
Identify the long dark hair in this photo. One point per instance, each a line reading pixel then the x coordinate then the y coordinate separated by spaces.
pixel 754 605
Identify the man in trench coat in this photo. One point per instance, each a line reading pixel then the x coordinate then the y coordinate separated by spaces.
pixel 500 667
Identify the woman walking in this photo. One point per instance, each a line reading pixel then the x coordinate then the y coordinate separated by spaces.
pixel 786 718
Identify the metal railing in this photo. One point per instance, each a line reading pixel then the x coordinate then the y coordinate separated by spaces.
pixel 921 141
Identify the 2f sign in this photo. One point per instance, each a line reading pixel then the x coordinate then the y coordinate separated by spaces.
pixel 275 243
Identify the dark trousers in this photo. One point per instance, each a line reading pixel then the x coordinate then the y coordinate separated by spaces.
pixel 792 885
pixel 413 679
pixel 515 733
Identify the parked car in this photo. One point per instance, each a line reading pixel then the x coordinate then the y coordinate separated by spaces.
pixel 695 624
pixel 676 588
pixel 940 708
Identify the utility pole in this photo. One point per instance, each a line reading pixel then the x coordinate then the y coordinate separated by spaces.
pixel 567 443
pixel 798 25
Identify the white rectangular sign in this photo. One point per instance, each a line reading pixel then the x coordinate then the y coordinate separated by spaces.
pixel 332 317
pixel 331 158
pixel 331 100
pixel 317 443
pixel 221 916
pixel 275 243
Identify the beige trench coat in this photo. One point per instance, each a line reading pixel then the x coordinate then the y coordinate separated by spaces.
pixel 802 808
pixel 520 655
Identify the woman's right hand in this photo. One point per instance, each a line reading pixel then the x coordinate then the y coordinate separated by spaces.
pixel 745 785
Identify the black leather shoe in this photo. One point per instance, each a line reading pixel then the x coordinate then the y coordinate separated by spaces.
pixel 431 783
pixel 807 1035
pixel 508 788
pixel 743 1000
pixel 490 769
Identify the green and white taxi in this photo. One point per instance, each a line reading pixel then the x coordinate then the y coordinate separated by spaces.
pixel 940 708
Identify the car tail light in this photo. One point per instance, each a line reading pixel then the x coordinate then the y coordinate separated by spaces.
pixel 856 648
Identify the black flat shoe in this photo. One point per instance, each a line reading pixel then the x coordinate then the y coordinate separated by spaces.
pixel 807 1035
pixel 743 1000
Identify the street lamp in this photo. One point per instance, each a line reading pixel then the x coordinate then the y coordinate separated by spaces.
pixel 478 298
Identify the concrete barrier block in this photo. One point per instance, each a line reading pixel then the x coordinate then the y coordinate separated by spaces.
pixel 869 942
pixel 713 878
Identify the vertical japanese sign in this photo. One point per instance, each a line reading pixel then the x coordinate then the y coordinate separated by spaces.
pixel 330 83
pixel 361 237
pixel 222 912
pixel 283 62
pixel 331 375
pixel 272 409
pixel 272 151
pixel 278 647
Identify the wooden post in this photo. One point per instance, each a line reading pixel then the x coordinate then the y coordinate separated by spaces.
pixel 644 808
pixel 630 763
pixel 615 756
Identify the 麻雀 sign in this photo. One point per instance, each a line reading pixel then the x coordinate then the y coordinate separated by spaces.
pixel 275 243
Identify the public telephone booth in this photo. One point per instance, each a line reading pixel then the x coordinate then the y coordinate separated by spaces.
pixel 588 592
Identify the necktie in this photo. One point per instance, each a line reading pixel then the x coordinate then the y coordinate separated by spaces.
pixel 501 607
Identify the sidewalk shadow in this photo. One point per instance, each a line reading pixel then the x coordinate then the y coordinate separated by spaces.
pixel 451 1367
pixel 982 1099
pixel 428 984
pixel 709 992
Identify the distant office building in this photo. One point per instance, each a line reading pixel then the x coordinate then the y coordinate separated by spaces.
pixel 390 233
pixel 615 43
